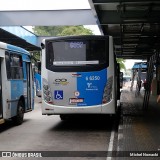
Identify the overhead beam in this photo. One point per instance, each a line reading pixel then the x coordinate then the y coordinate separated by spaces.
pixel 114 17
pixel 21 32
pixel 120 1
pixel 19 36
pixel 47 17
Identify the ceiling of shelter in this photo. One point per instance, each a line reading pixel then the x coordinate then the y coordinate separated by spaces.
pixel 134 25
pixel 17 41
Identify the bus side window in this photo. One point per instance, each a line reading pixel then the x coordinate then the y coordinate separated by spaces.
pixel 16 66
pixel 8 67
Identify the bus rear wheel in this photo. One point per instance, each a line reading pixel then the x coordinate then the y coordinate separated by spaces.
pixel 18 119
pixel 64 117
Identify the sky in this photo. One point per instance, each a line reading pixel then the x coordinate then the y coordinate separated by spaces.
pixel 40 5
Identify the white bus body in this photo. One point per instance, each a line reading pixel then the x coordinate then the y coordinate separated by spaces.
pixel 78 83
pixel 16 83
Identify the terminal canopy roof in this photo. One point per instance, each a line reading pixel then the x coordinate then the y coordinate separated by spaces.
pixel 134 24
pixel 19 36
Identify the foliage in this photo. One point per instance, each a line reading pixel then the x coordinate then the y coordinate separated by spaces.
pixel 61 30
pixel 121 61
pixel 47 30
pixel 75 30
pixel 37 56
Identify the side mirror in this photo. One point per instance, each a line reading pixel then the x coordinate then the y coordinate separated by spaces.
pixel 42 45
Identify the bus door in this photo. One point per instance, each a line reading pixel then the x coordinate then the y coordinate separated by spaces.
pixel 0 92
pixel 28 85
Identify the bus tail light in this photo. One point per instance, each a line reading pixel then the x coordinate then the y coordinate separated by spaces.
pixel 107 95
pixel 47 93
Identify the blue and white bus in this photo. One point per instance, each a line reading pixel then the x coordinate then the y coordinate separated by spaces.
pixel 16 83
pixel 79 76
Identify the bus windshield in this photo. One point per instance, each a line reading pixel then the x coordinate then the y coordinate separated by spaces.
pixel 76 53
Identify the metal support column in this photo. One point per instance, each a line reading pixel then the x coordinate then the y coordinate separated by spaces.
pixel 150 72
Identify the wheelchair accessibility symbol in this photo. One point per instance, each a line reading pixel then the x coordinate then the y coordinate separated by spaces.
pixel 58 94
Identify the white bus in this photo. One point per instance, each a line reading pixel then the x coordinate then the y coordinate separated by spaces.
pixel 16 83
pixel 79 76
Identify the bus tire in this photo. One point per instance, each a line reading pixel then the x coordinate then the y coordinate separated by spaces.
pixel 64 117
pixel 18 119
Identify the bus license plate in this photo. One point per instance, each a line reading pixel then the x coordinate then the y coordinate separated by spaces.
pixel 76 100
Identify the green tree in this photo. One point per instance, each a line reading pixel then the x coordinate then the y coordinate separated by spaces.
pixel 75 30
pixel 121 61
pixel 47 30
pixel 61 30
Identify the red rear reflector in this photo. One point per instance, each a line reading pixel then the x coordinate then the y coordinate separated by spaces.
pixel 104 101
pixel 47 109
pixel 50 102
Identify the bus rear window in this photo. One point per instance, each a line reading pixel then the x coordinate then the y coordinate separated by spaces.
pixel 76 53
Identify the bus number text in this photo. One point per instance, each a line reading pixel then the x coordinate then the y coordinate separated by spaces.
pixel 93 78
pixel 76 45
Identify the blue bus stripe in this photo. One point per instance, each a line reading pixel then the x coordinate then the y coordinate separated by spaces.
pixel 91 87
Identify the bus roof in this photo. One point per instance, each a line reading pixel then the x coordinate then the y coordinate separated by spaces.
pixel 139 65
pixel 13 48
pixel 78 37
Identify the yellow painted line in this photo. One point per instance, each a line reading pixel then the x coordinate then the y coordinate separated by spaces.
pixel 2 121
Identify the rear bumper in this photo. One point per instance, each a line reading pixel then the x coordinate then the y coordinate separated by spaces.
pixel 108 108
